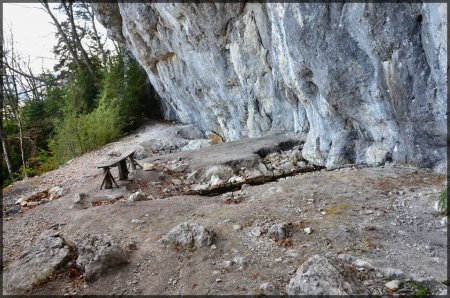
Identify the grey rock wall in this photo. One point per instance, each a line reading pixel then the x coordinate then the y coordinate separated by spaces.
pixel 367 82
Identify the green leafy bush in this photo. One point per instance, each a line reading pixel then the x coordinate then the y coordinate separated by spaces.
pixel 79 134
pixel 443 205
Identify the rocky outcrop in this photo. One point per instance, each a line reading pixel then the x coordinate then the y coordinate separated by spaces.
pixel 97 253
pixel 319 276
pixel 189 234
pixel 38 262
pixel 367 82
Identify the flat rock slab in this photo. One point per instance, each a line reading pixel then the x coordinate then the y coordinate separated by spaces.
pixel 38 262
pixel 240 153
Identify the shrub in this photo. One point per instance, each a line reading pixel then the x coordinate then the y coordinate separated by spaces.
pixel 443 202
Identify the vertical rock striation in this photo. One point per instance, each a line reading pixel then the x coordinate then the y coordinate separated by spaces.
pixel 367 82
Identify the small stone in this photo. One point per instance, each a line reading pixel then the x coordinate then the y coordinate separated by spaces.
pixel 176 181
pixel 323 213
pixel 55 192
pixel 178 168
pixel 288 167
pixel 301 164
pixel 137 221
pixel 215 180
pixel 244 186
pixel 148 167
pixel 279 231
pixel 237 227
pixel 392 273
pixel 278 260
pixel 218 280
pixel 197 187
pixel 78 198
pixel 393 285
pixel 265 286
pixel 19 201
pixel 32 204
pixel 213 247
pixel 137 196
pixel 228 264
pixel 307 230
pixel 236 179
pixel 240 261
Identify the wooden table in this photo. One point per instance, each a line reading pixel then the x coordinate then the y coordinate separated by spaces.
pixel 121 163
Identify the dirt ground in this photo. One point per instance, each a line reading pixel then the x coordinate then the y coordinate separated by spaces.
pixel 384 215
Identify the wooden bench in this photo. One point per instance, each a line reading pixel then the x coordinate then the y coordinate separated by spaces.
pixel 121 163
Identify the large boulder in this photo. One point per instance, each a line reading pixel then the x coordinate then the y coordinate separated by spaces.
pixel 189 234
pixel 38 262
pixel 319 276
pixel 98 253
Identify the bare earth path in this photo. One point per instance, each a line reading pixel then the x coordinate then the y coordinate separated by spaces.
pixel 384 215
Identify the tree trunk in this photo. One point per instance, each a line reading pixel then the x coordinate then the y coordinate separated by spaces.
pixel 97 37
pixel 63 35
pixel 5 152
pixel 77 40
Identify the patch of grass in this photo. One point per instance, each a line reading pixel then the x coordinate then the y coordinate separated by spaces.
pixel 361 275
pixel 420 290
pixel 336 209
pixel 40 280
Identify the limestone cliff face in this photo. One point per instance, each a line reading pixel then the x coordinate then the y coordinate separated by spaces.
pixel 367 83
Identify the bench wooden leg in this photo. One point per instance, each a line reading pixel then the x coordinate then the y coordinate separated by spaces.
pixel 134 163
pixel 123 171
pixel 108 179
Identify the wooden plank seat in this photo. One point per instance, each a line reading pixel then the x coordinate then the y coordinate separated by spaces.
pixel 121 163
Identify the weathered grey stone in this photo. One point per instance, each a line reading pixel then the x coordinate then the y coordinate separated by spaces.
pixel 38 261
pixel 78 198
pixel 393 285
pixel 367 82
pixel 55 192
pixel 197 144
pixel 190 132
pixel 140 153
pixel 288 167
pixel 137 196
pixel 279 231
pixel 318 276
pixel 97 253
pixel 222 172
pixel 189 234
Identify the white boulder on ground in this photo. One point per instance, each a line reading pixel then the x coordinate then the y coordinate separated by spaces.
pixel 97 253
pixel 318 276
pixel 279 231
pixel 189 234
pixel 55 192
pixel 137 196
pixel 222 172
